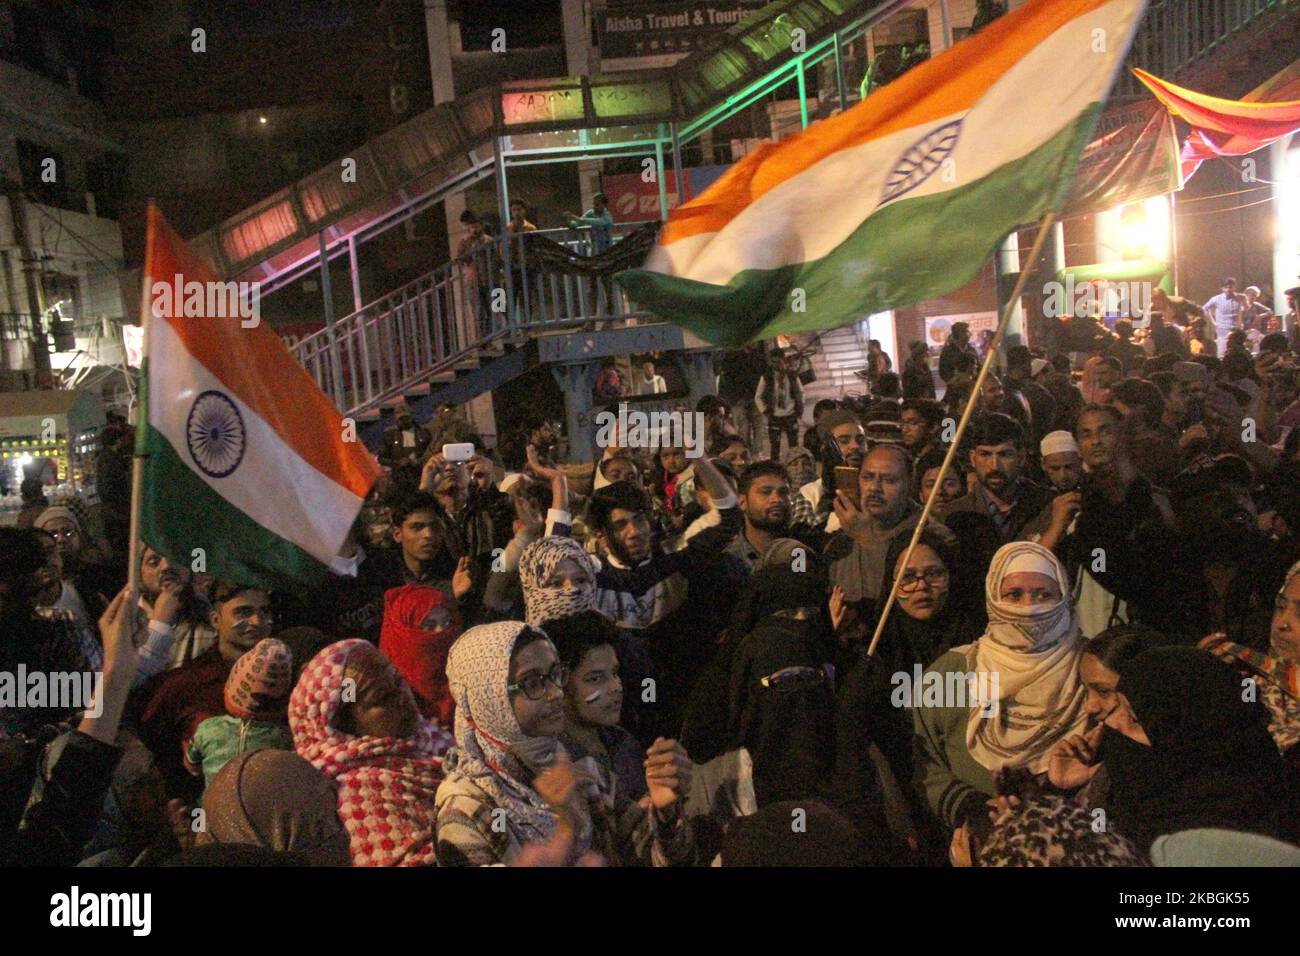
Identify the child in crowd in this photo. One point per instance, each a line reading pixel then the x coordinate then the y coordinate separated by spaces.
pixel 256 718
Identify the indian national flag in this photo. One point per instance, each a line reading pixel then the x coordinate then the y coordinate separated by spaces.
pixel 900 198
pixel 246 458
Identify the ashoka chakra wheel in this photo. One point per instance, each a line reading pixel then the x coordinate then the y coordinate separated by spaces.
pixel 215 434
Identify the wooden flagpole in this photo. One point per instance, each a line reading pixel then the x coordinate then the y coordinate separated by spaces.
pixel 141 405
pixel 1044 230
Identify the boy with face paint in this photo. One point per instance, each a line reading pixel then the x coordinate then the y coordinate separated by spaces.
pixel 510 783
pixel 593 705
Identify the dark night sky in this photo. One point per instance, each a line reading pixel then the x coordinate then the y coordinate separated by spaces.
pixel 526 22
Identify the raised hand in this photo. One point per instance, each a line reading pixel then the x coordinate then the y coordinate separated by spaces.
pixel 667 773
pixel 1073 761
pixel 462 581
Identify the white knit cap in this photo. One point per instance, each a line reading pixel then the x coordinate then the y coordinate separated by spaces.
pixel 1054 443
pixel 1037 365
pixel 1030 563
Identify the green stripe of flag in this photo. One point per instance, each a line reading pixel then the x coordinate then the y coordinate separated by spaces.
pixel 179 512
pixel 912 250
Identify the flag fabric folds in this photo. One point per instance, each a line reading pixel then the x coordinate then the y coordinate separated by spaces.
pixel 248 471
pixel 1230 127
pixel 903 196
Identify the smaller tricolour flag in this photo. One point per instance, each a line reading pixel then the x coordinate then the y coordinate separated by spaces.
pixel 247 466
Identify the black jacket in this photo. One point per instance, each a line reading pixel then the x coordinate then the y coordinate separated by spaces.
pixel 1160 573
pixel 59 824
pixel 393 453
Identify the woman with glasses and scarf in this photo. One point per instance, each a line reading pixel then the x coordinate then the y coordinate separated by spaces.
pixel 1018 684
pixel 873 737
pixel 508 684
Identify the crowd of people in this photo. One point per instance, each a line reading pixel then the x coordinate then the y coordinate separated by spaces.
pixel 1093 658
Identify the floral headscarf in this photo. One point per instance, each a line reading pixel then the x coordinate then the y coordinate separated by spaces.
pixel 487 731
pixel 386 785
pixel 543 603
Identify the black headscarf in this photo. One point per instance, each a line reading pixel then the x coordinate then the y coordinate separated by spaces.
pixel 1211 763
pixel 865 715
pixel 782 693
pixel 960 621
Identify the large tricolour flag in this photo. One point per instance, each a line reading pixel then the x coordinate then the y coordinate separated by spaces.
pixel 246 458
pixel 902 197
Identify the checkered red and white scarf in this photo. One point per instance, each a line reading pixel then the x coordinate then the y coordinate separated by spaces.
pixel 386 785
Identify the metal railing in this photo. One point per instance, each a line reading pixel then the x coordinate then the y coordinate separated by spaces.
pixel 1177 34
pixel 447 315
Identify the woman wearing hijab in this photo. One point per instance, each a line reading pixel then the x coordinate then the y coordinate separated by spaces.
pixel 558 579
pixel 355 719
pixel 420 626
pixel 1182 749
pixel 931 615
pixel 276 800
pixel 782 683
pixel 508 685
pixel 1277 670
pixel 1021 687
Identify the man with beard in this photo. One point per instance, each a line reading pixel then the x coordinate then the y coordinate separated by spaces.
pixel 651 594
pixel 1003 500
pixel 844 443
pixel 884 510
pixel 764 494
pixel 169 613
pixel 181 699
pixel 1062 463
pixel 996 399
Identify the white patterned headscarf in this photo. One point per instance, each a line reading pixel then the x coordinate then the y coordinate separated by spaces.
pixel 478 670
pixel 1034 654
pixel 543 602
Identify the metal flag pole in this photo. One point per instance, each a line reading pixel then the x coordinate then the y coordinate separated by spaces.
pixel 1044 231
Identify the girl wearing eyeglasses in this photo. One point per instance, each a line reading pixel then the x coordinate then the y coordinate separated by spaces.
pixel 933 612
pixel 510 787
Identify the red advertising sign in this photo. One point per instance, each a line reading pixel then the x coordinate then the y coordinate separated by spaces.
pixel 632 199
